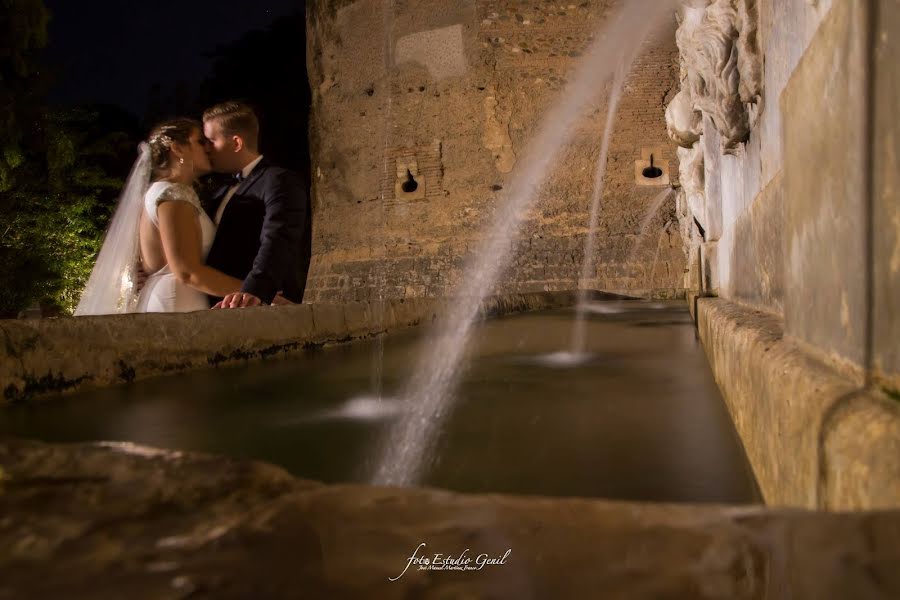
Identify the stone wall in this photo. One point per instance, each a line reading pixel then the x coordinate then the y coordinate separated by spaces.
pixel 447 94
pixel 885 215
pixel 786 118
pixel 789 170
pixel 731 142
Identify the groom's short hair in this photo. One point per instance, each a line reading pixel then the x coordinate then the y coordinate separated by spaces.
pixel 237 118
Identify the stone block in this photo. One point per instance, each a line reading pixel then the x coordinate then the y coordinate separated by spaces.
pixel 757 251
pixel 405 312
pixel 886 201
pixel 709 265
pixel 824 108
pixel 439 50
pixel 329 322
pixel 364 318
pixel 812 437
pixel 712 178
pixel 861 453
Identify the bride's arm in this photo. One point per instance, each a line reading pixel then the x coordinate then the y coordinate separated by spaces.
pixel 181 243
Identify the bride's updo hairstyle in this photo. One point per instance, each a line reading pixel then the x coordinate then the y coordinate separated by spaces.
pixel 162 137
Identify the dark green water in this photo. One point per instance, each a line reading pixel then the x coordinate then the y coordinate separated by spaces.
pixel 643 420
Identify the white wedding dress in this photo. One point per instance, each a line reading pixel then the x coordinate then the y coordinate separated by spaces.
pixel 163 292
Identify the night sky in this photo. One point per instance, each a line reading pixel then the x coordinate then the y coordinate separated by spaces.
pixel 114 51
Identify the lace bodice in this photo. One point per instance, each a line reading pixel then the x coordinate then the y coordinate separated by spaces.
pixel 164 190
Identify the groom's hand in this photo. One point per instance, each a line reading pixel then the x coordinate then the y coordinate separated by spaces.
pixel 238 300
pixel 280 300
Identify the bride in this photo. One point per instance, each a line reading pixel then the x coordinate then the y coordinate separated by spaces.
pixel 159 227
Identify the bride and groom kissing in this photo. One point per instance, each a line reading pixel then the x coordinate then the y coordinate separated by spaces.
pixel 164 253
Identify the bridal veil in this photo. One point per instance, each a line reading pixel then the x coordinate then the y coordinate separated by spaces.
pixel 112 286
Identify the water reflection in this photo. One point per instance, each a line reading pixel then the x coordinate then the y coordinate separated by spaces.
pixel 559 360
pixel 362 408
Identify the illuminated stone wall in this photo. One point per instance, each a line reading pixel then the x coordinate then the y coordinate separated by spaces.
pixel 447 95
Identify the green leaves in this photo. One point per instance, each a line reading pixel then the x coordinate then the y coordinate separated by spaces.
pixel 54 221
pixel 60 173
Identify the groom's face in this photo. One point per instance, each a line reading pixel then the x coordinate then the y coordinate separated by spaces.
pixel 221 149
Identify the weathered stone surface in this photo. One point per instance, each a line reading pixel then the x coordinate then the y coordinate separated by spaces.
pixel 460 89
pixel 813 437
pixel 825 206
pixel 793 228
pixel 131 522
pixel 709 264
pixel 733 182
pixel 48 356
pixel 757 253
pixel 886 201
pixel 329 321
pixel 683 123
pixel 712 180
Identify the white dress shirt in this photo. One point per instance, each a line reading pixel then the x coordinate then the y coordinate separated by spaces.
pixel 231 190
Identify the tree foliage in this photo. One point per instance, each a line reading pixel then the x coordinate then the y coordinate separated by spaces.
pixel 60 171
pixel 23 31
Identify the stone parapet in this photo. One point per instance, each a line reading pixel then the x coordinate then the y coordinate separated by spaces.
pixel 46 356
pixel 814 436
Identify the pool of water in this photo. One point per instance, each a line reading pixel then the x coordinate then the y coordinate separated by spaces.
pixel 639 418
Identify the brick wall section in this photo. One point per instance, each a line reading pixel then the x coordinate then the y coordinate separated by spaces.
pixel 368 243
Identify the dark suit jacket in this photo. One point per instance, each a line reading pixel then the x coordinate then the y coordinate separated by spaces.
pixel 263 235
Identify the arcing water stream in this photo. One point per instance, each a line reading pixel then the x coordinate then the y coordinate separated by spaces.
pixel 427 396
pixel 578 334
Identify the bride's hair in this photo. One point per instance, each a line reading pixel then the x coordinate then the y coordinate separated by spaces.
pixel 173 131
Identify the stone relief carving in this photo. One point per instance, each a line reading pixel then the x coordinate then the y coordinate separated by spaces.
pixel 721 70
pixel 721 78
pixel 691 199
pixel 683 123
pixel 749 55
pixel 691 175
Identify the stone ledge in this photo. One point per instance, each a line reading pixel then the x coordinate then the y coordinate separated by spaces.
pixel 813 437
pixel 46 356
pixel 124 521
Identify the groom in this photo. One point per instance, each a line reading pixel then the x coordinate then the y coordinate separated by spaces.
pixel 261 217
